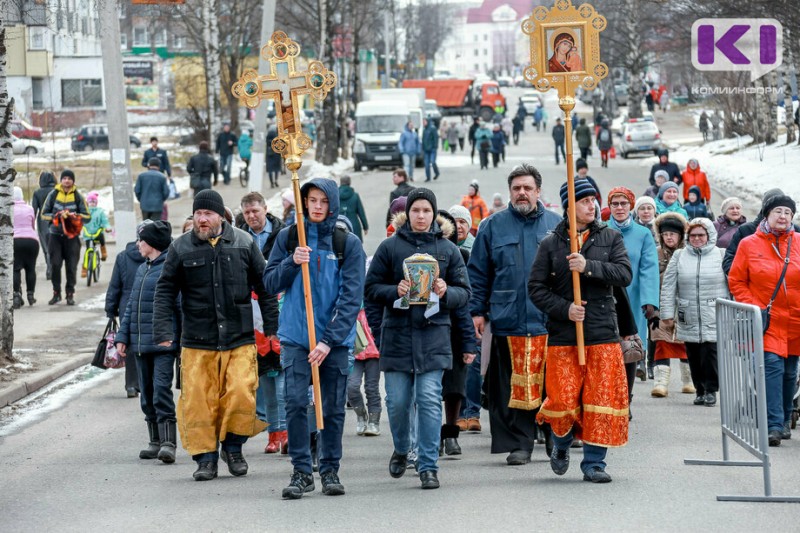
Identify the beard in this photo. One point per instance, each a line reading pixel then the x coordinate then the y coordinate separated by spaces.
pixel 524 209
pixel 205 234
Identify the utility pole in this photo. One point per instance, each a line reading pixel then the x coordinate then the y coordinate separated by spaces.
pixel 117 123
pixel 386 58
pixel 258 157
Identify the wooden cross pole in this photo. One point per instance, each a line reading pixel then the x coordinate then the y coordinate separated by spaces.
pixel 284 84
pixel 565 54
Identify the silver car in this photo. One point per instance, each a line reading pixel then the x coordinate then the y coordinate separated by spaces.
pixel 639 136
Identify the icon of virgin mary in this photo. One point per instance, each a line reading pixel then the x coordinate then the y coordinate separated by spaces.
pixel 566 57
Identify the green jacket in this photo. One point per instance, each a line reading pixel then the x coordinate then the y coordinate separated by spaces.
pixel 584 136
pixel 350 206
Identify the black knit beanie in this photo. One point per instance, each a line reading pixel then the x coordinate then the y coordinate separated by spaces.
pixel 158 234
pixel 211 200
pixel 420 193
pixel 67 173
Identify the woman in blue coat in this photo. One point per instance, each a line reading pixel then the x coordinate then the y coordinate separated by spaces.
pixel 134 339
pixel 643 291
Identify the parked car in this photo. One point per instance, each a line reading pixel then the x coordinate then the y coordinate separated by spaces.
pixel 95 137
pixel 531 100
pixel 23 130
pixel 618 123
pixel 432 112
pixel 505 81
pixel 639 136
pixel 26 146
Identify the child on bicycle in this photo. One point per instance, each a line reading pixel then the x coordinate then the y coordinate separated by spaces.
pixel 93 230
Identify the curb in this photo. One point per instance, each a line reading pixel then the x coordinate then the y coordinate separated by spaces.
pixel 38 380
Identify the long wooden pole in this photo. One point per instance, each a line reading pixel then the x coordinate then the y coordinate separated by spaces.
pixel 567 104
pixel 293 164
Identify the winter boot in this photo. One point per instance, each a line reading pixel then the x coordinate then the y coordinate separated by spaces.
pixel 361 420
pixel 168 433
pixel 103 252
pixel 151 452
pixel 373 425
pixel 686 379
pixel 84 272
pixel 661 385
pixel 18 302
pixel 55 299
pixel 449 444
pixel 70 298
pixel 274 445
pixel 31 299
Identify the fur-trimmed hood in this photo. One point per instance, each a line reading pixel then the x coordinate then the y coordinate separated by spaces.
pixel 671 215
pixel 445 225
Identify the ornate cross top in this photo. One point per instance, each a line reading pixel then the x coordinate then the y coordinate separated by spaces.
pixel 283 84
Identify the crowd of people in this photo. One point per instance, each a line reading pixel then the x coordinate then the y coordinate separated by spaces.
pixel 458 309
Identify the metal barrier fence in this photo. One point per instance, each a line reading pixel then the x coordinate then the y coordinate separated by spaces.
pixel 743 410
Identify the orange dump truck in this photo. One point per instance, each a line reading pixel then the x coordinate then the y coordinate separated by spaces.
pixel 463 97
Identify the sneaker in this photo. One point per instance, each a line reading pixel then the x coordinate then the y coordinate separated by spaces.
pixel 237 466
pixel 775 437
pixel 411 461
pixel 55 299
pixel 398 464
pixel 710 399
pixel 700 399
pixel 597 475
pixel 559 461
pixel 206 471
pixel 299 484
pixel 331 486
pixel 786 434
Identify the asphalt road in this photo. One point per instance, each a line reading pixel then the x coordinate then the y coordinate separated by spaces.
pixel 70 461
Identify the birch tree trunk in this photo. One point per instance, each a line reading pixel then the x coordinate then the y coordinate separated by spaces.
pixel 211 41
pixel 788 62
pixel 634 59
pixel 7 175
pixel 327 138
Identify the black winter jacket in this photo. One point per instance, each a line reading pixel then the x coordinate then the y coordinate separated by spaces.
pixel 272 302
pixel 136 327
pixel 409 341
pixel 204 166
pixel 215 283
pixel 46 184
pixel 550 284
pixel 122 277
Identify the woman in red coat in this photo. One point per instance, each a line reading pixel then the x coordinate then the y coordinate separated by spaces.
pixel 694 176
pixel 753 278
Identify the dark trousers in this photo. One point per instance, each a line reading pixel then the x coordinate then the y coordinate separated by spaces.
pixel 333 382
pixel 155 385
pixel 560 147
pixel 132 373
pixel 43 229
pixel 495 158
pixel 369 370
pixel 472 150
pixel 67 251
pixel 515 137
pixel 584 152
pixel 232 443
pixel 630 376
pixel 25 253
pixel 703 363
pixel 484 157
pixel 151 215
pixel 512 429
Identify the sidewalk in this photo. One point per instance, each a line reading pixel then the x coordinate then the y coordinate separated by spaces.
pixel 53 340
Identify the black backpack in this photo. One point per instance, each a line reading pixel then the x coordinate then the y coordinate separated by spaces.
pixel 339 240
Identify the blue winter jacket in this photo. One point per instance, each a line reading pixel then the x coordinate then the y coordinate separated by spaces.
pixel 336 293
pixel 152 190
pixel 430 138
pixel 136 328
pixel 644 289
pixel 409 142
pixel 499 265
pixel 122 277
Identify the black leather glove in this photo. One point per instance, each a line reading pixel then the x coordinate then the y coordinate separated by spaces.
pixel 654 322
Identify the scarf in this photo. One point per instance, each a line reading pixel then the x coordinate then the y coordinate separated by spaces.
pixel 766 228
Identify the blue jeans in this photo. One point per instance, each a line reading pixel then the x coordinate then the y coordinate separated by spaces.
pixel 471 408
pixel 429 157
pixel 333 382
pixel 593 456
pixel 780 381
pixel 271 401
pixel 155 385
pixel 409 160
pixel 225 162
pixel 401 388
pixel 560 146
